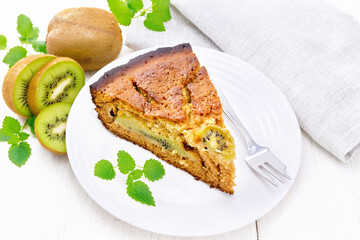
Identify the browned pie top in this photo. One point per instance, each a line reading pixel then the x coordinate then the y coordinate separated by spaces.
pixel 203 94
pixel 157 84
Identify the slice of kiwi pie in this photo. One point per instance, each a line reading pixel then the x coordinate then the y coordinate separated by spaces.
pixel 165 102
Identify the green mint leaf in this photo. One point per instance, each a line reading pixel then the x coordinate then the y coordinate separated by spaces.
pixel 136 174
pixel 161 8
pixel 3 42
pixel 34 33
pixel 104 169
pixel 31 123
pixel 39 46
pixel 135 5
pixel 121 11
pixel 23 136
pixel 3 137
pixel 33 36
pixel 129 180
pixel 14 139
pixel 10 126
pixel 160 13
pixel 19 153
pixel 14 55
pixel 24 25
pixel 153 170
pixel 140 192
pixel 125 162
pixel 154 23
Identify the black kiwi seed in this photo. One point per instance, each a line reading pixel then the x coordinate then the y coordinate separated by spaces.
pixel 164 143
pixel 51 86
pixel 218 137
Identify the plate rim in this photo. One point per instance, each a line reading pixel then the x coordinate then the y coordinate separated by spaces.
pixel 195 48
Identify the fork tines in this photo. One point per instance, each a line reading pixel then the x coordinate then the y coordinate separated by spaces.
pixel 267 165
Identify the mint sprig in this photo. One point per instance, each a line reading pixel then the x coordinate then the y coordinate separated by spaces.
pixel 138 190
pixel 155 15
pixel 13 133
pixel 28 32
pixel 28 36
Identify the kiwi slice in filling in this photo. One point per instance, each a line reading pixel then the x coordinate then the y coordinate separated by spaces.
pixel 50 127
pixel 17 80
pixel 60 80
pixel 218 141
pixel 166 142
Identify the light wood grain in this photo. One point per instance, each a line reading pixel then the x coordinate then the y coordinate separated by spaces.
pixel 322 204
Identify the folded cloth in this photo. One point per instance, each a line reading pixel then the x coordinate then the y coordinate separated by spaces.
pixel 310 50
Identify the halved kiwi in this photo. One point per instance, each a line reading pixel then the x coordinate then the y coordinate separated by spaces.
pixel 17 80
pixel 218 141
pixel 50 127
pixel 60 80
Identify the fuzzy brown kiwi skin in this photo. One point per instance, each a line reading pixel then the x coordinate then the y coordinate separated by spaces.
pixel 91 36
pixel 52 150
pixel 10 79
pixel 32 92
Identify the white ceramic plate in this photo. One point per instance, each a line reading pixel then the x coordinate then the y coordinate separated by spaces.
pixel 185 207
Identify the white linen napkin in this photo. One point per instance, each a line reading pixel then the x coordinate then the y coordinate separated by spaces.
pixel 310 50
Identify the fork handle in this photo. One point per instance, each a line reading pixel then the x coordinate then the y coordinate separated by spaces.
pixel 240 127
pixel 230 113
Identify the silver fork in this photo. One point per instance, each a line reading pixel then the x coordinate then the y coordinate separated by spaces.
pixel 259 158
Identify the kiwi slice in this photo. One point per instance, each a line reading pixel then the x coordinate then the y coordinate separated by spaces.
pixel 17 80
pixel 218 141
pixel 60 80
pixel 50 127
pixel 166 142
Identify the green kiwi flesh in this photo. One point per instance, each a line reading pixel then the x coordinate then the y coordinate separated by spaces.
pixel 22 82
pixel 60 83
pixel 167 143
pixel 50 127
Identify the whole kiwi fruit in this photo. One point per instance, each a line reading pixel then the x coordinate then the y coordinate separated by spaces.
pixel 91 36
